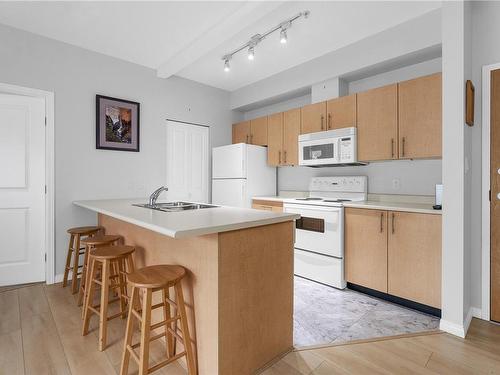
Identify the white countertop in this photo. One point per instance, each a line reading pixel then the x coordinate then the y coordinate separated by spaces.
pixel 389 205
pixel 188 223
pixel 423 208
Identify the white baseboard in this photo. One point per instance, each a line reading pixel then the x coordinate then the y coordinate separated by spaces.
pixel 458 329
pixel 59 278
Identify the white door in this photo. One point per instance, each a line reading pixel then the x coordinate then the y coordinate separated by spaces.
pixel 187 162
pixel 22 189
pixel 229 161
pixel 230 192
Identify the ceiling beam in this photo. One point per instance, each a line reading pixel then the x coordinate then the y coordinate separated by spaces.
pixel 245 16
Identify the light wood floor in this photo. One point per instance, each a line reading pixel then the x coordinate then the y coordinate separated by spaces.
pixel 40 334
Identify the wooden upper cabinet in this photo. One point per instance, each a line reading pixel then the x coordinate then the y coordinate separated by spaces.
pixel 414 257
pixel 241 132
pixel 377 116
pixel 420 117
pixel 275 139
pixel 366 248
pixel 341 112
pixel 258 131
pixel 313 118
pixel 291 132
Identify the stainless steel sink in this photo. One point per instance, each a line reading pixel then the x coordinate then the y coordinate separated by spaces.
pixel 175 206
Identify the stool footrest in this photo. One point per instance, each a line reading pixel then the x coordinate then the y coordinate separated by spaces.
pixel 165 322
pixel 166 362
pixel 133 353
pixel 116 315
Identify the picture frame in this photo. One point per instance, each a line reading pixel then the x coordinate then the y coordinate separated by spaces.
pixel 469 103
pixel 117 124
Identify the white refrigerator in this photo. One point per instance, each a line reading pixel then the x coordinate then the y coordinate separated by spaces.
pixel 240 172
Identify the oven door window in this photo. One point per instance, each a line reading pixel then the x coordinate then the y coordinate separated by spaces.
pixel 311 224
pixel 318 152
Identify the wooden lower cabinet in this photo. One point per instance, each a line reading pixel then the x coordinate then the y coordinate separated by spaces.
pixel 365 246
pixel 274 206
pixel 398 253
pixel 414 257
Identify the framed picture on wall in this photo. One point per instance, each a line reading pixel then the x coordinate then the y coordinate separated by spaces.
pixel 117 124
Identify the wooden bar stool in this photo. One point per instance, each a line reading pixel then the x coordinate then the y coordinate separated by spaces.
pixel 114 262
pixel 74 251
pixel 148 280
pixel 91 243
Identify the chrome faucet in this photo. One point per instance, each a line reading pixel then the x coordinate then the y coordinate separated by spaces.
pixel 154 196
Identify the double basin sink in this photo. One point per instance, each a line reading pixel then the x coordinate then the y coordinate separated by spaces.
pixel 175 206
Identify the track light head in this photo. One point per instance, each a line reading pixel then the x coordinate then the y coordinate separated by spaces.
pixel 227 68
pixel 283 36
pixel 251 53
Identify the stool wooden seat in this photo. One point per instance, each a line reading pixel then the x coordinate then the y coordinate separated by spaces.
pixel 114 262
pixel 91 243
pixel 148 280
pixel 74 251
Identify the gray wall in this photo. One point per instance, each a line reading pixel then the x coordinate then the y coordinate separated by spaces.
pixel 485 51
pixel 76 76
pixel 416 177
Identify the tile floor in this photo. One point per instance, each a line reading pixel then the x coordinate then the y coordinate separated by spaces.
pixel 325 315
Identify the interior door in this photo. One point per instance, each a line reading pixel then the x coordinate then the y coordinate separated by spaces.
pixel 22 189
pixel 187 162
pixel 495 201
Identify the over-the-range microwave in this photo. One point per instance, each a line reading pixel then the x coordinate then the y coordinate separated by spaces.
pixel 329 148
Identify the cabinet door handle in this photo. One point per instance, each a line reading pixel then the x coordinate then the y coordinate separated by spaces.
pixel 279 157
pixel 329 121
pixel 247 139
pixel 403 146
pixel 393 229
pixel 322 120
pixel 381 222
pixel 392 148
pixel 284 156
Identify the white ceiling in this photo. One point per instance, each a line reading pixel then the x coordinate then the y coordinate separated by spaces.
pixel 189 38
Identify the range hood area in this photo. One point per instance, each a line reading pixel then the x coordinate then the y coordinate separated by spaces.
pixel 331 148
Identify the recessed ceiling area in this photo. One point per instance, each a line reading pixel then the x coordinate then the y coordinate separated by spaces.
pixel 188 39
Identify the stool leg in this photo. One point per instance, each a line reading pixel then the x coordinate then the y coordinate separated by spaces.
pixel 129 332
pixel 166 315
pixel 185 330
pixel 89 297
pixel 103 316
pixel 84 281
pixel 76 257
pixel 145 332
pixel 68 260
pixel 122 287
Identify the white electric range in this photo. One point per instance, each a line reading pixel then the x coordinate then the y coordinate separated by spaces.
pixel 319 234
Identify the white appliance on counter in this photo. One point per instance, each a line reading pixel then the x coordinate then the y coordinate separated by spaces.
pixel 240 172
pixel 319 233
pixel 329 148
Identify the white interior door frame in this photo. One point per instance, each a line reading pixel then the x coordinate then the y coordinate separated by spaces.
pixel 485 194
pixel 48 97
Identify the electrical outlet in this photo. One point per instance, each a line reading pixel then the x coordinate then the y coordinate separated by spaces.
pixel 396 184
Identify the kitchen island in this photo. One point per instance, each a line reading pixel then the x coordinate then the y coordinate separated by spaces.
pixel 239 289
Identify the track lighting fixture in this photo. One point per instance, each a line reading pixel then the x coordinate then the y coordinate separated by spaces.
pixel 283 37
pixel 251 53
pixel 257 38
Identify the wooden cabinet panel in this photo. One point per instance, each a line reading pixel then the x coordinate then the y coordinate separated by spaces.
pixel 260 204
pixel 378 123
pixel 241 132
pixel 313 118
pixel 420 117
pixel 258 131
pixel 341 112
pixel 275 139
pixel 414 257
pixel 291 131
pixel 366 248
